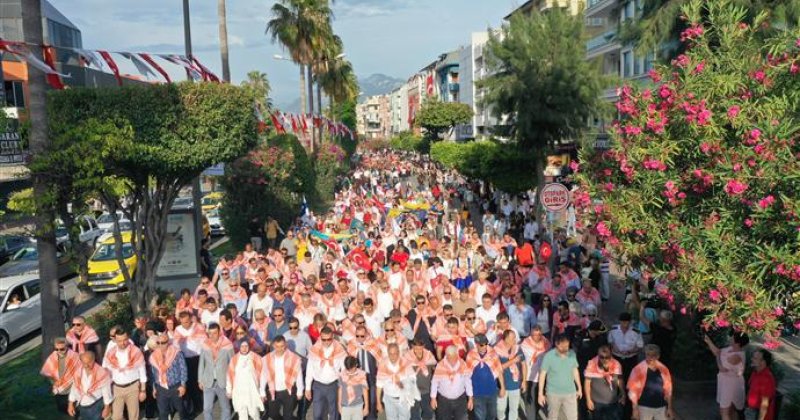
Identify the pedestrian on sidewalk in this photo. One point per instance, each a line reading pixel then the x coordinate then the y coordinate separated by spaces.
pixel 650 388
pixel 730 379
pixel 762 388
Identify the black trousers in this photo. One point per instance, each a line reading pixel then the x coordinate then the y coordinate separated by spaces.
pixel 282 406
pixel 170 402
pixel 62 401
pixel 194 396
pixel 448 409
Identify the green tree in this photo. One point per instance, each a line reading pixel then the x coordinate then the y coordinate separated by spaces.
pixel 438 117
pixel 155 140
pixel 258 83
pixel 540 78
pixel 701 183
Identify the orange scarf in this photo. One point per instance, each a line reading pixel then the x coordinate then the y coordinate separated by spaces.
pixel 216 346
pixel 196 332
pixel 50 369
pixel 446 371
pixel 291 365
pixel 260 328
pixel 184 306
pixel 503 350
pixel 88 336
pixel 638 378
pixel 351 381
pixel 593 369
pixel 256 360
pixel 135 358
pixel 490 358
pixel 372 347
pixel 161 361
pixel 98 377
pixel 420 365
pixel 534 349
pixel 317 353
pixel 393 374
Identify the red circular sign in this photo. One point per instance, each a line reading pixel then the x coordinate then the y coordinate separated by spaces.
pixel 554 197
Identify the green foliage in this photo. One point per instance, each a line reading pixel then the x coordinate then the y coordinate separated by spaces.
pixel 540 76
pixel 440 117
pixel 410 142
pixel 258 84
pixel 330 162
pixel 701 182
pixel 269 181
pixel 22 202
pixel 24 394
pixel 504 166
pixel 114 312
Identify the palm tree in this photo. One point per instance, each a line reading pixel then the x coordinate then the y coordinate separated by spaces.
pixel 52 324
pixel 223 40
pixel 301 27
pixel 259 83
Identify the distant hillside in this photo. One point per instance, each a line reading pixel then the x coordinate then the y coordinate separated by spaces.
pixel 376 84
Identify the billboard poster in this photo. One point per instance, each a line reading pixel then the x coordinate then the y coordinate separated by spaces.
pixel 179 255
pixel 11 152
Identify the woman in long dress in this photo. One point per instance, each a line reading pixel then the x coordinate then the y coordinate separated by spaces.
pixel 244 382
pixel 730 379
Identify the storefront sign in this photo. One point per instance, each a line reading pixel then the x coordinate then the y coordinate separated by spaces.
pixel 180 258
pixel 554 197
pixel 11 149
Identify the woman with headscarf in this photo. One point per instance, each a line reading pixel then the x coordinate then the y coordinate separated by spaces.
pixel 244 382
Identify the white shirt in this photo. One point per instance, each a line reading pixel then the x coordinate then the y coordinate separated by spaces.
pixel 258 303
pixel 191 346
pixel 624 342
pixel 389 387
pixel 326 373
pixel 126 376
pixel 208 317
pixel 487 315
pixel 374 322
pixel 530 231
pixel 384 303
pixel 280 376
pixel 88 399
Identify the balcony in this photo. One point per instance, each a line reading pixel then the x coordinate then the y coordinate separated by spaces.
pixel 600 8
pixel 602 44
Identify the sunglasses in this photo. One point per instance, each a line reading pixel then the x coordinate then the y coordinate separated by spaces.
pixel 294 328
pixel 61 349
pixel 205 282
pixel 225 273
pixel 392 330
pixel 77 324
pixel 420 302
pixel 470 319
pixel 327 340
pixel 163 343
pixel 278 315
pixel 361 322
pixel 361 336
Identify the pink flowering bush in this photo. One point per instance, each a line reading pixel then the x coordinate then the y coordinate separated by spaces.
pixel 702 183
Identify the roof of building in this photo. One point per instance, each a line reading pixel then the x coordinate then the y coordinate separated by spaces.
pixel 50 12
pixel 524 9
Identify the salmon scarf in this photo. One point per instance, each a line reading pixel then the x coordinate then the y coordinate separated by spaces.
pixel 593 369
pixel 474 360
pixel 372 347
pixel 98 378
pixel 351 381
pixel 88 336
pixel 254 359
pixel 196 332
pixel 504 350
pixel 135 358
pixel 394 373
pixel 161 360
pixel 260 328
pixel 184 306
pixel 214 347
pixel 291 365
pixel 444 370
pixel 420 365
pixel 534 350
pixel 50 369
pixel 317 353
pixel 638 379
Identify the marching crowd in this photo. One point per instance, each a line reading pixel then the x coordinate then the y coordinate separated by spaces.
pixel 419 294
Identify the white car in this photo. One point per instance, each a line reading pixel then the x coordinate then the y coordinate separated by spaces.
pixel 89 230
pixel 215 223
pixel 106 222
pixel 21 308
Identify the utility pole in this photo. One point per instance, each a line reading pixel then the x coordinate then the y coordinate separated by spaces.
pixel 52 322
pixel 223 40
pixel 198 214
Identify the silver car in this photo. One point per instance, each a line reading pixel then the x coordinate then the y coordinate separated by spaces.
pixel 21 308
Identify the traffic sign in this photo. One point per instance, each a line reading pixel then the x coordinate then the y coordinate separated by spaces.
pixel 554 197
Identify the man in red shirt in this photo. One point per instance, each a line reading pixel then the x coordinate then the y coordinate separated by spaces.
pixel 762 387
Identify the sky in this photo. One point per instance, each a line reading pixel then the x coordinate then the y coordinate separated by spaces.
pixel 393 37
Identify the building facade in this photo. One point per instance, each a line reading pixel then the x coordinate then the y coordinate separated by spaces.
pixel 373 117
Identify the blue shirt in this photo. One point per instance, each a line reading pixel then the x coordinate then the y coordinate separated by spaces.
pixel 508 378
pixel 483 381
pixel 177 374
pixel 522 319
pixel 287 305
pixel 273 330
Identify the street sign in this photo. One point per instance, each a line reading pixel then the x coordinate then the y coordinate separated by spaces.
pixel 554 197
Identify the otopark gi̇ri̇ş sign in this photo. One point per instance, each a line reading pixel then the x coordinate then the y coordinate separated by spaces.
pixel 554 197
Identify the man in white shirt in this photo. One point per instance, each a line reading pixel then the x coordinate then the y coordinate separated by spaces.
pixel 325 362
pixel 394 376
pixel 259 300
pixel 128 374
pixel 487 311
pixel 284 377
pixel 531 229
pixel 373 318
pixel 90 394
pixel 190 335
pixel 211 314
pixel 626 344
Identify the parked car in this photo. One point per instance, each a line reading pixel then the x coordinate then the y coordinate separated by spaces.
pixel 10 244
pixel 21 308
pixel 215 223
pixel 89 230
pixel 211 201
pixel 105 273
pixel 26 261
pixel 183 203
pixel 106 222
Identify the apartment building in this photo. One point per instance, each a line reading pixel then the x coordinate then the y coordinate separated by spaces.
pixel 373 118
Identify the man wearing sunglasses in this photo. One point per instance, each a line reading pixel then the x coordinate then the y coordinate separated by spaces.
pixel 82 338
pixel 325 361
pixel 170 376
pixel 60 367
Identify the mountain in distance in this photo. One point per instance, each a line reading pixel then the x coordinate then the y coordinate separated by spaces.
pixel 375 84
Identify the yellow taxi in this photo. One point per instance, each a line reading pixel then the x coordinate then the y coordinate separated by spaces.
pixel 211 201
pixel 104 270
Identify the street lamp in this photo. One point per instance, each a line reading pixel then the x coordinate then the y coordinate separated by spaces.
pixel 280 57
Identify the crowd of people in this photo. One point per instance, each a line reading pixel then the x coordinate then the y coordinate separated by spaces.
pixel 419 294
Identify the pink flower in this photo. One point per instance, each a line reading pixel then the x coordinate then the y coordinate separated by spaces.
pixel 714 295
pixel 759 75
pixel 681 61
pixel 603 230
pixel 735 187
pixel 755 134
pixel 609 187
pixel 794 68
pixel 737 167
pixel 654 165
pixel 575 166
pixel 632 130
pixel 699 67
pixel 683 310
pixel 705 148
pixel 772 344
pixel 722 322
pixel 766 202
pixel 748 223
pixel 733 111
pixel 778 311
pixel 654 76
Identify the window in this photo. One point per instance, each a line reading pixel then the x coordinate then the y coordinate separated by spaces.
pixel 649 61
pixel 14 94
pixel 628 11
pixel 33 288
pixel 627 63
pixel 637 66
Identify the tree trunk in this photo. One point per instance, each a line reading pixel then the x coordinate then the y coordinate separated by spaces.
pixel 319 109
pixel 223 40
pixel 310 81
pixel 303 104
pixel 52 323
